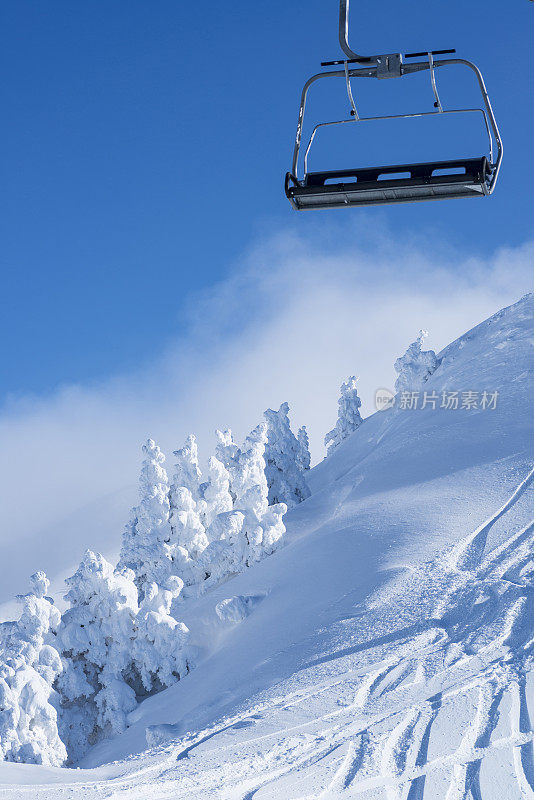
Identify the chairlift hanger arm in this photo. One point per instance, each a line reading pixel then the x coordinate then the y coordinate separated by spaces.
pixel 344 36
pixel 356 58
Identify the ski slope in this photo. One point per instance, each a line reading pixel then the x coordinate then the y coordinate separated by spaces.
pixel 384 653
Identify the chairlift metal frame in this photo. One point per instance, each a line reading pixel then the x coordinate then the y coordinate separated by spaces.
pixel 472 177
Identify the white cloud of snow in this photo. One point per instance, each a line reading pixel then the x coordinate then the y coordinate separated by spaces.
pixel 295 319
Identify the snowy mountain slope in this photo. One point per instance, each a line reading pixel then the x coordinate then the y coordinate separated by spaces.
pixel 387 648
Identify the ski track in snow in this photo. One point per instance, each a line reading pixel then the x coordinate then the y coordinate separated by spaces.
pixel 468 552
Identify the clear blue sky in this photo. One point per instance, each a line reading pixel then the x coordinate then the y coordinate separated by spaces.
pixel 145 143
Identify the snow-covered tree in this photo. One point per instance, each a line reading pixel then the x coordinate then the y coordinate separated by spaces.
pixel 249 481
pixel 284 458
pixel 187 515
pixel 304 460
pixel 253 529
pixel 216 491
pixel 250 486
pixel 113 650
pixel 159 653
pixel 186 525
pixel 145 543
pixel 188 569
pixel 348 415
pixel 415 366
pixel 227 453
pixel 96 636
pixel 227 551
pixel 231 525
pixel 29 665
pixel 187 472
pixel 273 528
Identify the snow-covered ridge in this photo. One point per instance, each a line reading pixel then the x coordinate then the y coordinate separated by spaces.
pixel 390 655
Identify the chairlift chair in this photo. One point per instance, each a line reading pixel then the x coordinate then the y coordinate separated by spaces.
pixel 400 183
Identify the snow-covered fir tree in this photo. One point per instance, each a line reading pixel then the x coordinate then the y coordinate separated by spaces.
pixel 216 492
pixel 29 665
pixel 252 497
pixel 160 655
pixel 304 459
pixel 187 515
pixel 188 536
pixel 186 524
pixel 252 529
pixel 248 480
pixel 145 542
pixel 348 415
pixel 415 366
pixel 96 637
pixel 227 551
pixel 113 650
pixel 230 533
pixel 231 524
pixel 273 528
pixel 284 460
pixel 187 471
pixel 227 453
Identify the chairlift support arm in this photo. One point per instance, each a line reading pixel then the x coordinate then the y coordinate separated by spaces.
pixel 356 58
pixel 344 36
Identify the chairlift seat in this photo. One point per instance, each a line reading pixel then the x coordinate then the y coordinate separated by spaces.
pixel 435 180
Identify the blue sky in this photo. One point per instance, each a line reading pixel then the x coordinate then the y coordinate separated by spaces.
pixel 145 145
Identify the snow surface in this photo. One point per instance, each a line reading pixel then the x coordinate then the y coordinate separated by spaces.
pixel 386 650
